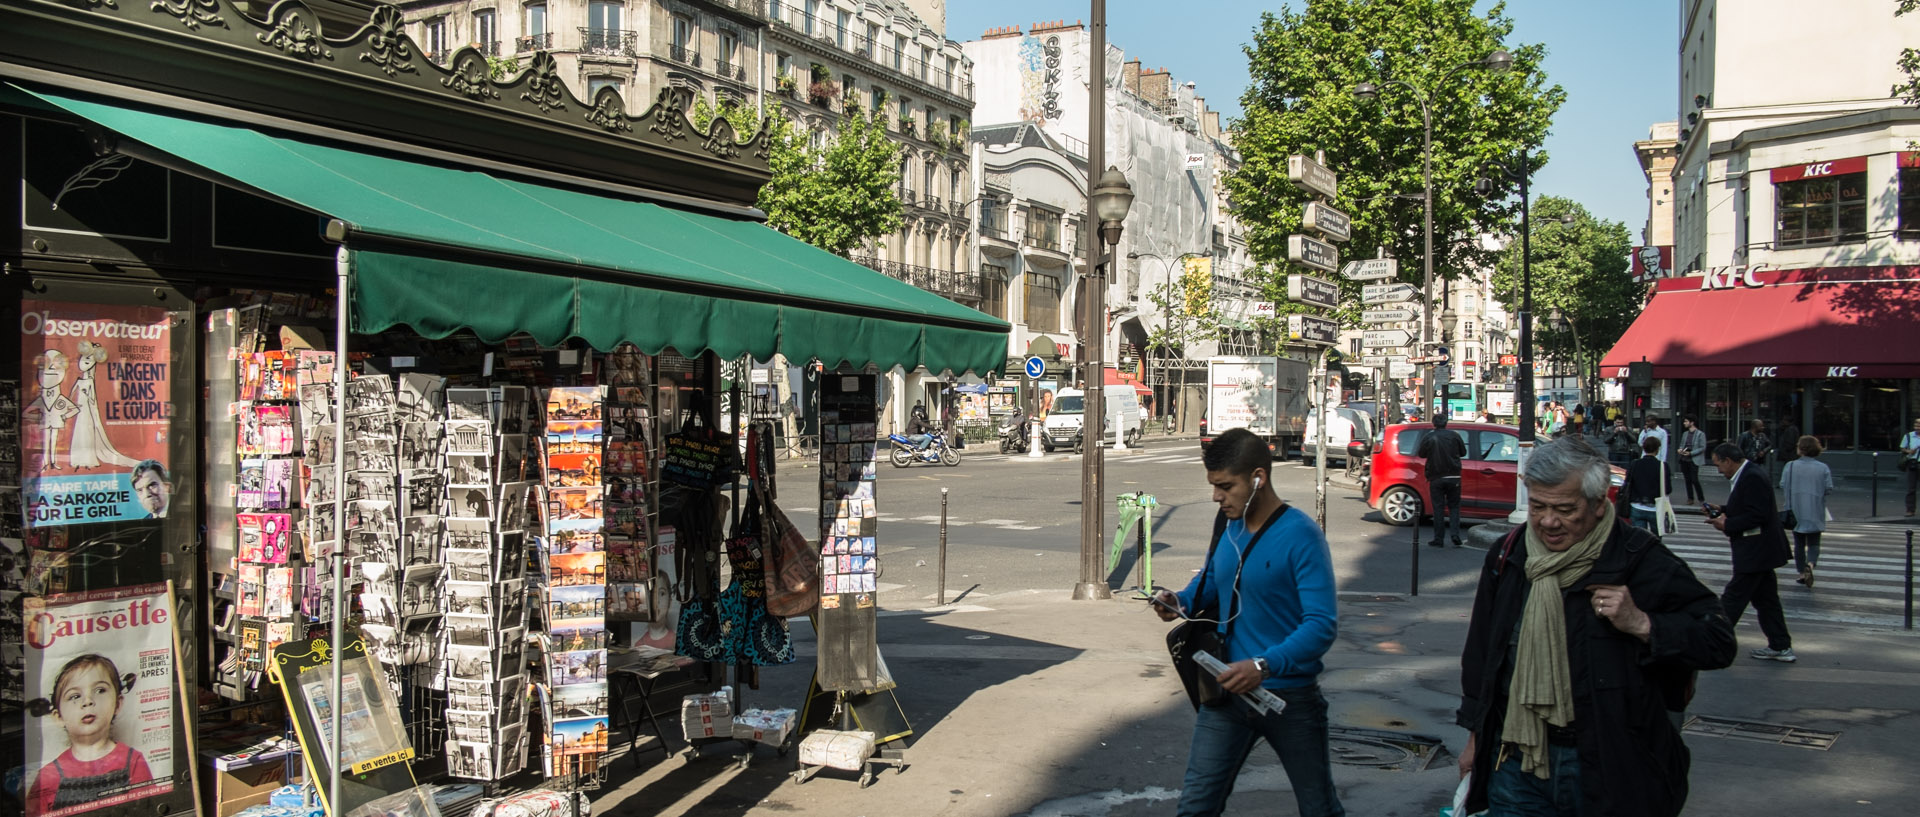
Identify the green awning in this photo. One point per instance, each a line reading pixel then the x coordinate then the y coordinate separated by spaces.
pixel 440 249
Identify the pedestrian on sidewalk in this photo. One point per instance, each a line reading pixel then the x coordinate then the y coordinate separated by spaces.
pixel 1443 449
pixel 1693 454
pixel 1751 522
pixel 1789 448
pixel 1807 482
pixel 1647 481
pixel 1653 428
pixel 1910 461
pixel 1755 444
pixel 1622 445
pixel 1571 690
pixel 1277 618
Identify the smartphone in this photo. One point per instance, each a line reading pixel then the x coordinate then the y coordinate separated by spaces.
pixel 1710 511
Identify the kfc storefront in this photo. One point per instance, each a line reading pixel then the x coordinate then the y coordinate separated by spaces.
pixel 1835 351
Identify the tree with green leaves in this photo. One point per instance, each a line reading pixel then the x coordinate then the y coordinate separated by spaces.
pixel 1581 267
pixel 1188 315
pixel 1909 60
pixel 1305 65
pixel 836 195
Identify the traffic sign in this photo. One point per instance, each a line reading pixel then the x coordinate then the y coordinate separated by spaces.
pixel 1376 361
pixel 1311 329
pixel 1385 338
pixel 1312 252
pixel 1387 293
pixel 1399 369
pixel 1333 224
pixel 1036 367
pixel 1372 269
pixel 1389 316
pixel 1443 373
pixel 1311 175
pixel 1307 289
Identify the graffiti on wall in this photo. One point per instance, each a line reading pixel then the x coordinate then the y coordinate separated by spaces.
pixel 1040 78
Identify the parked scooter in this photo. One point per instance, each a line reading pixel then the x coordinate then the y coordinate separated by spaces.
pixel 903 454
pixel 1016 433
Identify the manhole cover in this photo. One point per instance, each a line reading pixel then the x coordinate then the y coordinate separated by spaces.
pixel 1380 749
pixel 1775 733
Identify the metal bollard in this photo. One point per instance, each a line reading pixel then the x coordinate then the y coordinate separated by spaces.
pixel 943 547
pixel 1909 578
pixel 1876 485
pixel 1416 552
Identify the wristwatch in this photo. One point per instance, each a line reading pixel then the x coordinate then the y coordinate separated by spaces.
pixel 1261 665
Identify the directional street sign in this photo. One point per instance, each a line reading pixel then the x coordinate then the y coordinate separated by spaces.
pixel 1385 338
pixel 1312 252
pixel 1399 369
pixel 1333 224
pixel 1307 289
pixel 1036 367
pixel 1387 293
pixel 1309 329
pixel 1372 269
pixel 1389 316
pixel 1311 175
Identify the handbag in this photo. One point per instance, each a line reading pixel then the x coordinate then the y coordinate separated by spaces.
pixel 1202 633
pixel 1663 514
pixel 1788 521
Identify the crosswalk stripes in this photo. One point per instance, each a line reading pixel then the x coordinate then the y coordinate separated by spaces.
pixel 1861 577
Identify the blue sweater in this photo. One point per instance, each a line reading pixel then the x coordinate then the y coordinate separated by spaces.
pixel 1288 613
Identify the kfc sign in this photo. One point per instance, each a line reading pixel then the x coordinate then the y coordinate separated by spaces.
pixel 1820 170
pixel 1650 263
pixel 1732 277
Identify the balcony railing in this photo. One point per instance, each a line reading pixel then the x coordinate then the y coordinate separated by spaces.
pixel 1042 241
pixel 956 209
pixel 931 202
pixel 533 42
pixel 491 49
pixel 683 54
pixel 727 69
pixel 439 57
pixel 946 283
pixel 994 226
pixel 609 42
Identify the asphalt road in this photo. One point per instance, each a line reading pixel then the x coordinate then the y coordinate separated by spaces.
pixel 1013 526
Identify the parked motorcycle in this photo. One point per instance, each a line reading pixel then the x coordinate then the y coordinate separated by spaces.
pixel 1016 433
pixel 902 454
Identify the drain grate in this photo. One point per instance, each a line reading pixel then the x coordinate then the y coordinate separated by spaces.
pixel 1380 749
pixel 1758 732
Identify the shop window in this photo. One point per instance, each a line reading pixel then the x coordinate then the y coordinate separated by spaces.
pixel 1042 296
pixel 1835 408
pixel 1880 426
pixel 1910 202
pixel 1813 212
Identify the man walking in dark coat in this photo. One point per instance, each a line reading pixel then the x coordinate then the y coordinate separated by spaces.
pixel 1751 521
pixel 1443 449
pixel 1585 636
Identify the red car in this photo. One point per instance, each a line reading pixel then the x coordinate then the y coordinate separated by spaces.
pixel 1488 474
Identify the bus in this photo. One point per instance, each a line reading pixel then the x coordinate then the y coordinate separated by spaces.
pixel 1461 399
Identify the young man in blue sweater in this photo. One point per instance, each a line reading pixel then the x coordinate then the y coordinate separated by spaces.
pixel 1269 582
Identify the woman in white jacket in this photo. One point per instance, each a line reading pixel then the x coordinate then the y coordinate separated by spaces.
pixel 1807 482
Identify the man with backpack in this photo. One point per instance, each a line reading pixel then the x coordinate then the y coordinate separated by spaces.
pixel 1565 677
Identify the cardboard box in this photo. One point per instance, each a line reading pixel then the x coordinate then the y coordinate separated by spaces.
pixel 251 786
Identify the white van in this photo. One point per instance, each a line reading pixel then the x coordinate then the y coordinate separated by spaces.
pixel 1069 413
pixel 1346 426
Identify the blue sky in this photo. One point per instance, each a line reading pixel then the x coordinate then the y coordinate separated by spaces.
pixel 1617 62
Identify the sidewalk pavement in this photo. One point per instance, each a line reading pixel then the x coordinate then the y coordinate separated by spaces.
pixel 1032 704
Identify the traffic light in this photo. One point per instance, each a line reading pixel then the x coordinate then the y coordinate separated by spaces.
pixel 1640 402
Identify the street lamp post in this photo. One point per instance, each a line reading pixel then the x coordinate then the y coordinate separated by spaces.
pixel 1520 172
pixel 1565 323
pixel 1499 60
pixel 1109 197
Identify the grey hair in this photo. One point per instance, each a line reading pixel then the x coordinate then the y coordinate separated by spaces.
pixel 1556 462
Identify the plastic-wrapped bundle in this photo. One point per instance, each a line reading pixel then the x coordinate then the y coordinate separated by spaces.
pixel 847 751
pixel 540 803
pixel 769 726
pixel 708 715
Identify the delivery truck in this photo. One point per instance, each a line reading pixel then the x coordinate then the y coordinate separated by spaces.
pixel 1264 395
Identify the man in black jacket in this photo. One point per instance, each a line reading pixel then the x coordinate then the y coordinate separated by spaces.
pixel 1751 522
pixel 1647 481
pixel 1584 640
pixel 1443 450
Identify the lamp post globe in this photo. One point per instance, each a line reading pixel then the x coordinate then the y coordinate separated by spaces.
pixel 1498 62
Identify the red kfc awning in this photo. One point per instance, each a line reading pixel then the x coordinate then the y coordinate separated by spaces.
pixel 1734 322
pixel 1115 377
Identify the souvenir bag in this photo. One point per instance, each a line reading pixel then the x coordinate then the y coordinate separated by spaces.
pixel 1663 514
pixel 792 566
pixel 751 634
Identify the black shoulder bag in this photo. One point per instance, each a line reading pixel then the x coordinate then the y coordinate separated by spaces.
pixel 1193 634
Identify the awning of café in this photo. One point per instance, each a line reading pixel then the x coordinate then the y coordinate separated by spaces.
pixel 441 248
pixel 1843 322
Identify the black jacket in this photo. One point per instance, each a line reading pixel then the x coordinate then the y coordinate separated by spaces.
pixel 1632 761
pixel 1645 482
pixel 1442 449
pixel 1753 523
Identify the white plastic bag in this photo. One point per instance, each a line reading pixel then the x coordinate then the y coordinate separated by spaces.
pixel 1459 806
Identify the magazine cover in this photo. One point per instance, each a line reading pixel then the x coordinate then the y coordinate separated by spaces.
pixel 94 412
pixel 99 675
